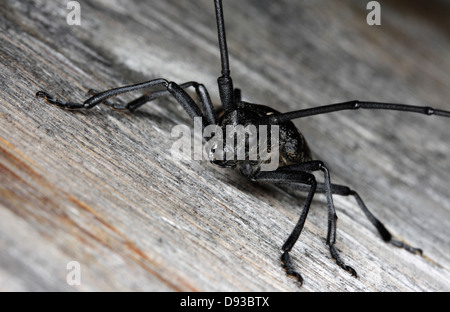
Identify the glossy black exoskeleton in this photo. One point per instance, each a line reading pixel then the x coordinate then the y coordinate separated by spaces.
pixel 295 162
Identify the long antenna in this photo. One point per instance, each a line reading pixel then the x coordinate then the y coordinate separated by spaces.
pixel 225 83
pixel 222 38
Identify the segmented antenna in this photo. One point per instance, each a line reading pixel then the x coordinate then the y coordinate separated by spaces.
pixel 225 83
pixel 222 38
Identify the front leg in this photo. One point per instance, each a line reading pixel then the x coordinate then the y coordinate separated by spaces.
pixel 317 165
pixel 189 105
pixel 102 96
pixel 291 178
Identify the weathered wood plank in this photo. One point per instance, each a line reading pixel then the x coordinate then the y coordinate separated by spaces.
pixel 100 187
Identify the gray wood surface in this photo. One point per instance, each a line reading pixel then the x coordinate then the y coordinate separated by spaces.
pixel 100 187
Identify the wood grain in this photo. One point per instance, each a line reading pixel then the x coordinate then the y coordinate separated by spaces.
pixel 100 187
